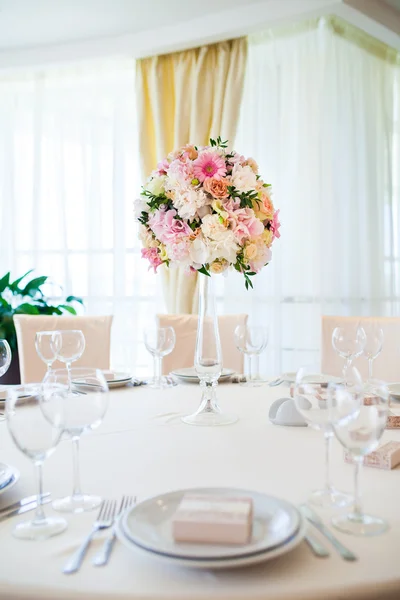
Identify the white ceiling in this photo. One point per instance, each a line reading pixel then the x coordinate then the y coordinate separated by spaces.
pixel 27 23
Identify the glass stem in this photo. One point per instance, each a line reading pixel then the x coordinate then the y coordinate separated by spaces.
pixel 39 513
pixel 357 498
pixel 370 361
pixel 256 366
pixel 49 367
pixel 75 458
pixel 328 444
pixel 157 369
pixel 346 367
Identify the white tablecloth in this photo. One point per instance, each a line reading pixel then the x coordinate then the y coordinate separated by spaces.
pixel 142 448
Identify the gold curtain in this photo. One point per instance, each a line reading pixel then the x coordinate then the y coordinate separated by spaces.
pixel 185 97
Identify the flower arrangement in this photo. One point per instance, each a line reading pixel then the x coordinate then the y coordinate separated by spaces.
pixel 207 208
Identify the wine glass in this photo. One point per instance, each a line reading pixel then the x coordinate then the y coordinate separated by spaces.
pixel 85 402
pixel 5 361
pixel 68 345
pixel 359 427
pixel 159 341
pixel 349 343
pixel 5 357
pixel 373 346
pixel 251 341
pixel 45 347
pixel 311 402
pixel 37 438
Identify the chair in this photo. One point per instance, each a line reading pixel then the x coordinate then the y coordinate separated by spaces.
pixel 96 330
pixel 386 366
pixel 185 327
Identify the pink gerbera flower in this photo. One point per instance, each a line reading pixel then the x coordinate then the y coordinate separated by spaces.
pixel 209 164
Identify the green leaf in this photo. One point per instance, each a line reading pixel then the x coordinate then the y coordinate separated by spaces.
pixel 204 271
pixel 74 299
pixel 27 309
pixel 33 287
pixel 70 309
pixel 4 282
pixel 14 285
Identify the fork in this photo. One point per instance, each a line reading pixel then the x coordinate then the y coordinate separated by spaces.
pixel 103 555
pixel 104 520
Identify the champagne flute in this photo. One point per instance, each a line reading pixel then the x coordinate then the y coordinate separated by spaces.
pixel 37 438
pixel 311 402
pixel 251 341
pixel 373 346
pixel 349 343
pixel 46 347
pixel 159 341
pixel 359 427
pixel 85 401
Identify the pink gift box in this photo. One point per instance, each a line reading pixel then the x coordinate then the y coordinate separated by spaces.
pixel 385 457
pixel 202 518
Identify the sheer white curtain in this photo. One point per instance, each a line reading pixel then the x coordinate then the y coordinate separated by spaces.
pixel 321 116
pixel 68 178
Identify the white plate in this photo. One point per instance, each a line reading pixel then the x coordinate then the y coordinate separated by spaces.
pixel 189 374
pixel 14 478
pixel 318 378
pixel 394 390
pixel 237 561
pixel 149 525
pixel 6 474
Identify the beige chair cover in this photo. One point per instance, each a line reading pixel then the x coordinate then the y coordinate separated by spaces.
pixel 185 327
pixel 96 330
pixel 386 366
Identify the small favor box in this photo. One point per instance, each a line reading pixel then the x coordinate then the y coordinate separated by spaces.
pixel 393 422
pixel 385 457
pixel 203 518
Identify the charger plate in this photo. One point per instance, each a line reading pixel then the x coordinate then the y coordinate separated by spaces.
pixel 149 525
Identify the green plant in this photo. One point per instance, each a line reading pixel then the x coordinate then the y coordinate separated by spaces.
pixel 28 299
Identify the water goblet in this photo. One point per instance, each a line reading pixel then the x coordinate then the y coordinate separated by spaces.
pixel 68 345
pixel 251 341
pixel 85 402
pixel 311 402
pixel 37 438
pixel 159 341
pixel 349 342
pixel 46 347
pixel 359 427
pixel 373 346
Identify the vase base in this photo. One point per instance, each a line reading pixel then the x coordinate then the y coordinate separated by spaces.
pixel 210 419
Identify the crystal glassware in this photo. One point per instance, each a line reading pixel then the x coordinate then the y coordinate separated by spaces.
pixel 5 361
pixel 45 347
pixel 311 402
pixel 349 342
pixel 208 360
pixel 68 345
pixel 359 427
pixel 85 401
pixel 159 341
pixel 37 437
pixel 373 346
pixel 251 341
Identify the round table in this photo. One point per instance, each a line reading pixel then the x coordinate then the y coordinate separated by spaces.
pixel 142 448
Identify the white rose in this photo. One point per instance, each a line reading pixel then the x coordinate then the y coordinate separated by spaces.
pixel 243 178
pixel 212 228
pixel 156 185
pixel 224 248
pixel 198 252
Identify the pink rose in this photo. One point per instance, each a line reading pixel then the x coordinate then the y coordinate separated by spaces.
pixel 166 228
pixel 243 222
pixel 153 257
pixel 275 225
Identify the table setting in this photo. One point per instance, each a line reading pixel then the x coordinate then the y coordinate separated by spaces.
pixel 202 481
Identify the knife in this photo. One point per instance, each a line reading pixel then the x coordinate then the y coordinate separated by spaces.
pixel 6 509
pixel 315 520
pixel 22 509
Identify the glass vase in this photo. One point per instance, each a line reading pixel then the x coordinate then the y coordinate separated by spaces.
pixel 208 360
